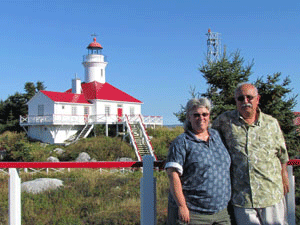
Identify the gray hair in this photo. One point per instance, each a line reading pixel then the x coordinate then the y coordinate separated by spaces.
pixel 239 86
pixel 191 105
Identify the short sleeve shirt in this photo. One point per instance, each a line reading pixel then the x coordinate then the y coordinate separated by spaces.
pixel 204 169
pixel 257 152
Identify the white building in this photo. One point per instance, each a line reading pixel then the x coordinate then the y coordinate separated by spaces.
pixel 61 117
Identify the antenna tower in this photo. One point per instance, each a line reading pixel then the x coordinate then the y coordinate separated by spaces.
pixel 213 46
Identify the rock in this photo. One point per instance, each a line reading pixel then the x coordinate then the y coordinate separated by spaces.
pixel 93 160
pixel 124 159
pixel 3 153
pixel 52 159
pixel 44 145
pixel 40 185
pixel 83 157
pixel 59 151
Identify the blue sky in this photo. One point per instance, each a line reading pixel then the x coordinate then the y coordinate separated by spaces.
pixel 153 48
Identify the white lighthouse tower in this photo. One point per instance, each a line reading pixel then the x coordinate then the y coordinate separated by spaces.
pixel 94 63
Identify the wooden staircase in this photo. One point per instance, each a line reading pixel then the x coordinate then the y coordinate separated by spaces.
pixel 83 134
pixel 139 139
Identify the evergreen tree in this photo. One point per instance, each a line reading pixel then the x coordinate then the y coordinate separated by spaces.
pixel 222 77
pixel 15 105
pixel 40 86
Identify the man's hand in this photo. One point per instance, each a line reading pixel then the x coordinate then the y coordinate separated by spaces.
pixel 184 214
pixel 285 179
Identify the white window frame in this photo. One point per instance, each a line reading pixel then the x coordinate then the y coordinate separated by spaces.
pixel 74 111
pixel 107 110
pixel 131 111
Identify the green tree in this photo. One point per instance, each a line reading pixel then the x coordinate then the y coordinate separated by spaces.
pixel 15 105
pixel 222 77
pixel 31 89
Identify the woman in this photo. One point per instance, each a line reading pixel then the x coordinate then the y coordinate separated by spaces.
pixel 198 166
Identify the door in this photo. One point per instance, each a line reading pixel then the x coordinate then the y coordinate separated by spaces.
pixel 120 114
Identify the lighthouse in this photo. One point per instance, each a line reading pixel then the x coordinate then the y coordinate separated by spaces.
pixel 94 64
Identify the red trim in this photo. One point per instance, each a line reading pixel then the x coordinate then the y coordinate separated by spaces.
pixel 75 164
pixel 294 162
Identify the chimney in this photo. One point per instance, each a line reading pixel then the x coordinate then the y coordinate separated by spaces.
pixel 76 85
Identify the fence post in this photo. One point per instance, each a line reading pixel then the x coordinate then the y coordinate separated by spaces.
pixel 14 197
pixel 290 198
pixel 148 192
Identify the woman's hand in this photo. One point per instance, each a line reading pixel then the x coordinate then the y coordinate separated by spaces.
pixel 184 214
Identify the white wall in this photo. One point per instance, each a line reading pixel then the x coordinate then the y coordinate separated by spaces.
pixel 41 133
pixel 40 99
pixel 53 134
pixel 100 107
pixel 61 108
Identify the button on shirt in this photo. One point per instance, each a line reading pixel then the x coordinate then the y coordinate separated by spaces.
pixel 257 152
pixel 204 169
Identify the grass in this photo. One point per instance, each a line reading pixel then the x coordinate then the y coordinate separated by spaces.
pixel 88 197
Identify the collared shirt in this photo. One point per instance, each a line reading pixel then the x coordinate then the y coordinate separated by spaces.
pixel 257 152
pixel 204 169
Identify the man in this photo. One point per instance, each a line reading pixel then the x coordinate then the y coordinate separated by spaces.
pixel 259 156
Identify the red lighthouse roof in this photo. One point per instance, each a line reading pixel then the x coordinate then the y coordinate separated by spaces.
pixel 107 92
pixel 94 45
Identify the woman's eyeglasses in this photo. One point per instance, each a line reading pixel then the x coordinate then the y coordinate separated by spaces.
pixel 242 97
pixel 200 114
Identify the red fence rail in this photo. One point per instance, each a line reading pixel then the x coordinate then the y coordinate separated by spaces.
pixel 133 164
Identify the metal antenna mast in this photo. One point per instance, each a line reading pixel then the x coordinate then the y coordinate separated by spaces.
pixel 213 46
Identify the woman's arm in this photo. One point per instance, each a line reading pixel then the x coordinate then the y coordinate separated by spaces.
pixel 176 191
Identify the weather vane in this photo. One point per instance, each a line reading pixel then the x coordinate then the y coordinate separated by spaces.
pixel 94 35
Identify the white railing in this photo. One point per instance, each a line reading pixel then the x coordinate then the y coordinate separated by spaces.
pixel 146 137
pixel 57 119
pixel 153 120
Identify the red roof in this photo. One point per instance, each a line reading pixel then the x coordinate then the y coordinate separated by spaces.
pixel 94 45
pixel 65 97
pixel 96 90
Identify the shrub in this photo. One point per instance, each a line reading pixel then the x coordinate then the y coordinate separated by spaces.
pixel 162 138
pixel 101 148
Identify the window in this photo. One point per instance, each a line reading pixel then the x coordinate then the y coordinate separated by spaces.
pixel 107 110
pixel 40 110
pixel 74 111
pixel 131 111
pixel 86 110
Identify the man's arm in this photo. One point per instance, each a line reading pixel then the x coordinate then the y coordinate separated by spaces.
pixel 285 179
pixel 176 191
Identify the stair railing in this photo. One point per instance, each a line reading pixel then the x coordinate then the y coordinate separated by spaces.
pixel 146 136
pixel 137 153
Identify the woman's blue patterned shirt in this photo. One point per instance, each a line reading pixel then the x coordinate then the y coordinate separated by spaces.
pixel 204 169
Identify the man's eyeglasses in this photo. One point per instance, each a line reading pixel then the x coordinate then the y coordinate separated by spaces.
pixel 197 115
pixel 242 97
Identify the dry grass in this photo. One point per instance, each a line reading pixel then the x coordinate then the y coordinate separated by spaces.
pixel 88 197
